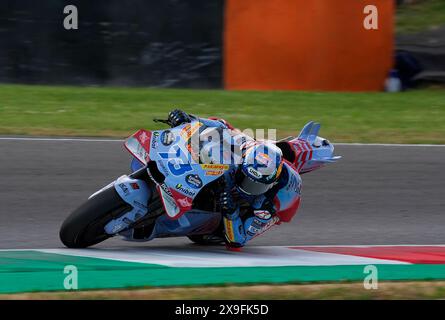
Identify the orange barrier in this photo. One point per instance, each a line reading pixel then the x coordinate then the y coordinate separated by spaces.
pixel 306 45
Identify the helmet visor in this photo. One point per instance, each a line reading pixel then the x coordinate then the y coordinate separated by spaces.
pixel 251 187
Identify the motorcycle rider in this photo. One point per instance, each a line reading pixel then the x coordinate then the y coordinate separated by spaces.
pixel 252 184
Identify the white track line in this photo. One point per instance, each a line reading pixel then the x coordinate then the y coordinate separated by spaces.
pixel 366 245
pixel 287 246
pixel 122 140
pixel 219 257
pixel 387 144
pixel 265 256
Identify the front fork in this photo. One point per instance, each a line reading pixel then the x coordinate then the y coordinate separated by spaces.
pixel 136 193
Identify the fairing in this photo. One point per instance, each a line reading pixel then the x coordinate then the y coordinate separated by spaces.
pixel 184 175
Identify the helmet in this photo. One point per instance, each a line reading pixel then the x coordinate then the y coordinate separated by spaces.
pixel 260 169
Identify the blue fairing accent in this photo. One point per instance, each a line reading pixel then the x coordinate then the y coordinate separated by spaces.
pixel 192 222
pixel 135 165
pixel 212 123
pixel 137 194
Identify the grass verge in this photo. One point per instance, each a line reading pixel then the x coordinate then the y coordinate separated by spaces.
pixel 409 117
pixel 420 15
pixel 386 290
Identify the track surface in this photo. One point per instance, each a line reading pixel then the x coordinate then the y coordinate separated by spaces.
pixel 374 195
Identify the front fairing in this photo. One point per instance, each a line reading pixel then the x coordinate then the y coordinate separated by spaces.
pixel 175 157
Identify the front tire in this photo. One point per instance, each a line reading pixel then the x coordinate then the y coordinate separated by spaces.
pixel 85 226
pixel 207 240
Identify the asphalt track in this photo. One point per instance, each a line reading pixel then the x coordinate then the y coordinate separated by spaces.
pixel 374 195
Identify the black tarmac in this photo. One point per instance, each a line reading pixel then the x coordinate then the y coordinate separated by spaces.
pixel 374 195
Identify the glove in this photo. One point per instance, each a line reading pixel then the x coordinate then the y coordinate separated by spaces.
pixel 227 205
pixel 269 206
pixel 178 117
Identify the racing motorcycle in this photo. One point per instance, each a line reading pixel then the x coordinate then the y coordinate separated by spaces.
pixel 172 193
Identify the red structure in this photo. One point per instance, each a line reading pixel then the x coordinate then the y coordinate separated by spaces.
pixel 306 45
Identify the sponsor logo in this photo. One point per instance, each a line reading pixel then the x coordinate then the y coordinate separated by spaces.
pixel 263 158
pixel 134 186
pixel 262 214
pixel 141 153
pixel 167 137
pixel 124 188
pixel 229 230
pixel 192 149
pixel 118 227
pixel 254 172
pixel 166 189
pixel 294 185
pixel 186 191
pixel 154 140
pixel 185 202
pixel 215 167
pixel 127 221
pixel 143 137
pixel 185 132
pixel 253 230
pixel 256 229
pixel 194 181
pixel 190 130
pixel 280 167
pixel 169 203
pixel 257 224
pixel 214 173
pixel 250 233
pixel 269 224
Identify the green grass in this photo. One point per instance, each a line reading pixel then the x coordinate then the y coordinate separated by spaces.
pixel 421 15
pixel 331 291
pixel 408 117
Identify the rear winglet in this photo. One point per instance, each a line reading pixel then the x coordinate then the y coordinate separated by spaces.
pixel 304 134
pixel 327 160
pixel 310 131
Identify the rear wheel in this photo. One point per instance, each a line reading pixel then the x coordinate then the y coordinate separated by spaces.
pixel 85 226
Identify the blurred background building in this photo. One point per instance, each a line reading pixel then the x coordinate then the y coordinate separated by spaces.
pixel 249 44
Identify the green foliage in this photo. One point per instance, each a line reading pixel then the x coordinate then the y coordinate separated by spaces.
pixel 420 15
pixel 408 117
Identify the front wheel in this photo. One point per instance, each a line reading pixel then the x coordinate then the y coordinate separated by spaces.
pixel 207 240
pixel 85 226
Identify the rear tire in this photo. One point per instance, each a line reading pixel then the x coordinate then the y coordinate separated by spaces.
pixel 85 226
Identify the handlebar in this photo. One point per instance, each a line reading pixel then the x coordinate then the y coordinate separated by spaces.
pixel 162 121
